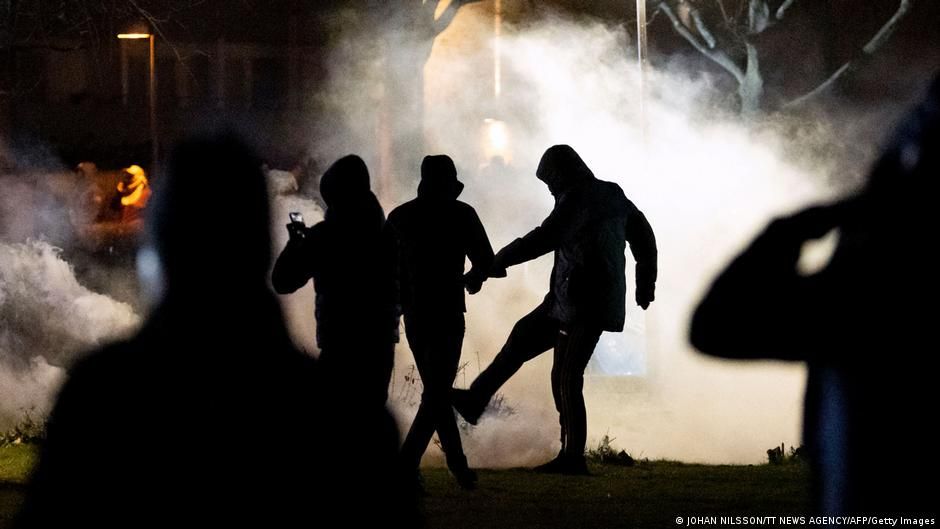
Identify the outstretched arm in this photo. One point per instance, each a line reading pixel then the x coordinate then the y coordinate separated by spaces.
pixel 760 307
pixel 538 242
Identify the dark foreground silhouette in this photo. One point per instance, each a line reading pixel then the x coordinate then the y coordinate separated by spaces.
pixel 863 324
pixel 588 230
pixel 437 233
pixel 209 417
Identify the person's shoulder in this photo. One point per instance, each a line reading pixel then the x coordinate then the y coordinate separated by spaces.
pixel 612 192
pixel 465 209
pixel 606 186
pixel 116 355
pixel 402 212
pixel 99 375
pixel 315 232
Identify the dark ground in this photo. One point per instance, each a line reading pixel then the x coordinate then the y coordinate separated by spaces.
pixel 650 494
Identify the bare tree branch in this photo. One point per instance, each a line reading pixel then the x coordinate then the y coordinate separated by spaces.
pixel 702 28
pixel 157 27
pixel 782 10
pixel 724 13
pixel 443 22
pixel 758 16
pixel 867 51
pixel 717 56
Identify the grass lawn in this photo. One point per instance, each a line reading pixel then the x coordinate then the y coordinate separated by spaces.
pixel 650 494
pixel 15 464
pixel 647 495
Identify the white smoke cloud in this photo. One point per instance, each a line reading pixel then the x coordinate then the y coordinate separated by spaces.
pixel 47 318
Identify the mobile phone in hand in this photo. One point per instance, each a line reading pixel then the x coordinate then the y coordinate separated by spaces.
pixel 296 226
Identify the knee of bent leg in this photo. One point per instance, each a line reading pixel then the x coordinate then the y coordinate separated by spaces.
pixel 434 393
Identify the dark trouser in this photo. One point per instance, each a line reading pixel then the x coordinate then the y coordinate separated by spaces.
pixel 436 342
pixel 358 375
pixel 574 344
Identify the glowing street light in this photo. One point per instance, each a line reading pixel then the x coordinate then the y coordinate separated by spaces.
pixel 496 140
pixel 151 92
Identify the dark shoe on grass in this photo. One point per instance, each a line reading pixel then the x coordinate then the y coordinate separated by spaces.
pixel 569 466
pixel 466 478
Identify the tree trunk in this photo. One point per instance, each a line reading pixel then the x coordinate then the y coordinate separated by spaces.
pixel 751 87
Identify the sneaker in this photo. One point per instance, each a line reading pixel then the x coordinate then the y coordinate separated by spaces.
pixel 466 405
pixel 466 478
pixel 577 467
pixel 564 465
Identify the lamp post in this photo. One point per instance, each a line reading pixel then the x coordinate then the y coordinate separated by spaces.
pixel 152 95
pixel 643 61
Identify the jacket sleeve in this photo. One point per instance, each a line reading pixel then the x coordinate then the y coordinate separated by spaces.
pixel 296 264
pixel 538 242
pixel 391 248
pixel 759 307
pixel 639 235
pixel 479 249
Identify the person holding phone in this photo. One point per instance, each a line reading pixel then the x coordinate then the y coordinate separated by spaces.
pixel 351 258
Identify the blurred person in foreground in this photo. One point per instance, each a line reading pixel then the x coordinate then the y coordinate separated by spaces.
pixel 861 324
pixel 208 416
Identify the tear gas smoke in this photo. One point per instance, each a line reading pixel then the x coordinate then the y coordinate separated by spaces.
pixel 46 319
pixel 706 181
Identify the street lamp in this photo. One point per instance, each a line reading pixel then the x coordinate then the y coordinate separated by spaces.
pixel 151 92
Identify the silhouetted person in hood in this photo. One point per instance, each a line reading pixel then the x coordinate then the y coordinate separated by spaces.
pixel 352 261
pixel 209 416
pixel 860 323
pixel 587 230
pixel 437 233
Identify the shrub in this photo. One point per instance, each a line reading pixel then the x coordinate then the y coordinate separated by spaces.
pixel 606 454
pixel 778 455
pixel 28 430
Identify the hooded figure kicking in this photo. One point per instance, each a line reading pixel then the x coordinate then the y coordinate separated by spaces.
pixel 588 228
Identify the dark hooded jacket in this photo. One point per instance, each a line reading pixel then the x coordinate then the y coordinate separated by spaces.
pixel 436 233
pixel 351 258
pixel 588 228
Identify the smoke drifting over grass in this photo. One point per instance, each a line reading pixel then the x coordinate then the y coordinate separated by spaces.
pixel 46 319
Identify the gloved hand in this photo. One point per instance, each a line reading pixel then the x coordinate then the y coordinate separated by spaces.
pixel 473 284
pixel 644 296
pixel 296 231
pixel 498 268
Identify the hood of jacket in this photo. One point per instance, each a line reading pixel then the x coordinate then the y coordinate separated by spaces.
pixel 562 169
